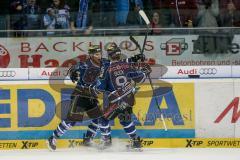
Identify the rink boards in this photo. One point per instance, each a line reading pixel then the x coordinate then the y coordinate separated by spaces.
pixel 31 111
pixel 198 113
pixel 147 143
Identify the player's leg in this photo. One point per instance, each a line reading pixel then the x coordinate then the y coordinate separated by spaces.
pixel 61 129
pixel 98 122
pixel 105 129
pixel 129 128
pixel 91 108
pixel 66 124
pixel 91 132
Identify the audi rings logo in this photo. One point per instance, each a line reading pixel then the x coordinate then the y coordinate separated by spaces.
pixel 208 71
pixel 7 73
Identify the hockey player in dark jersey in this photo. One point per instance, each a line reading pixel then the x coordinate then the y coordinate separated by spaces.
pixel 118 80
pixel 84 101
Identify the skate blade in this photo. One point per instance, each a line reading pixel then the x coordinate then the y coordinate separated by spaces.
pixel 130 149
pixel 102 148
pixel 90 145
pixel 135 150
pixel 50 148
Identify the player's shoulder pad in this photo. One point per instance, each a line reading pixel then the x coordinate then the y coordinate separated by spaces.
pixel 105 62
pixel 82 65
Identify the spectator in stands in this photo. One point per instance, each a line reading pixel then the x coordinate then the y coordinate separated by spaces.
pixel 17 21
pixel 16 6
pixel 49 21
pixel 32 15
pixel 182 12
pixel 151 6
pixel 101 14
pixel 230 13
pixel 61 12
pixel 94 13
pixel 122 10
pixel 156 4
pixel 82 16
pixel 133 17
pixel 208 14
pixel 155 23
pixel 107 13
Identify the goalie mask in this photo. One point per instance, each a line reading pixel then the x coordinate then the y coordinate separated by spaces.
pixel 114 52
pixel 95 53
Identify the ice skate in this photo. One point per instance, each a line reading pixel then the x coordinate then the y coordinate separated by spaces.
pixel 135 144
pixel 105 142
pixel 51 143
pixel 87 141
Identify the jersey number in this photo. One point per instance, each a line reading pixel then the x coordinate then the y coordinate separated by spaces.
pixel 121 80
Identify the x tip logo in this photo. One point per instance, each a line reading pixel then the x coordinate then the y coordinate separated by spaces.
pixel 193 143
pixel 28 145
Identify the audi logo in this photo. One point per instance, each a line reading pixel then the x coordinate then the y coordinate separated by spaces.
pixel 7 73
pixel 208 71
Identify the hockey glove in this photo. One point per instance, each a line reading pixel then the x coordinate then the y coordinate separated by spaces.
pixel 137 57
pixel 87 91
pixel 74 74
pixel 146 68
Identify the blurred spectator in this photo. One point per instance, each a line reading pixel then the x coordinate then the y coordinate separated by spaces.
pixel 224 4
pixel 17 20
pixel 230 13
pixel 208 13
pixel 101 13
pixel 82 15
pixel 61 13
pixel 138 6
pixel 182 12
pixel 49 21
pixel 94 10
pixel 157 4
pixel 107 13
pixel 155 23
pixel 151 6
pixel 133 17
pixel 16 6
pixel 32 15
pixel 122 10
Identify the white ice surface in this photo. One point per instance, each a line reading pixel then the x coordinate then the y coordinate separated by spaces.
pixel 147 154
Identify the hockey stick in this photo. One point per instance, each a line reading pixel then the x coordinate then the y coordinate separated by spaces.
pixel 146 20
pixel 135 42
pixel 150 81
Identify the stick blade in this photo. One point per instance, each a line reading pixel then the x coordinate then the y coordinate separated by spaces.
pixel 144 16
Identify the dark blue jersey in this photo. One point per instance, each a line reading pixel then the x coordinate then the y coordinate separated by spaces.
pixel 89 72
pixel 117 74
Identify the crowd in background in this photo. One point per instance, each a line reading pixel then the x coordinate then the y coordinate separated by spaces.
pixel 86 14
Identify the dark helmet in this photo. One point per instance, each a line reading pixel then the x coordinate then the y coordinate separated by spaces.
pixel 94 49
pixel 113 50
